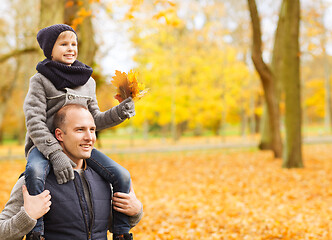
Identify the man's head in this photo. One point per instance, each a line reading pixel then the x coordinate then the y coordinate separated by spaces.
pixel 75 130
pixel 48 39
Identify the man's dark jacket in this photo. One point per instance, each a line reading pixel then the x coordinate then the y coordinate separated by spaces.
pixel 69 217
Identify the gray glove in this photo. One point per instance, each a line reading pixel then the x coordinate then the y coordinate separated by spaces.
pixel 126 109
pixel 62 166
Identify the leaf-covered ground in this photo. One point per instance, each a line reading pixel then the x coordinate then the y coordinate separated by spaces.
pixel 224 194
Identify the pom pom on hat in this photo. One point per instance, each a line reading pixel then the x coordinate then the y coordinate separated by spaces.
pixel 47 37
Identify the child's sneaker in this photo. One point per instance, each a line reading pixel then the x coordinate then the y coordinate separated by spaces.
pixel 125 236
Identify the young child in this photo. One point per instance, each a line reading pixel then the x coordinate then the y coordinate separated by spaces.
pixel 61 80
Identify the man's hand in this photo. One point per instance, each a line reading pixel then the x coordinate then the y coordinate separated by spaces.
pixel 36 206
pixel 127 203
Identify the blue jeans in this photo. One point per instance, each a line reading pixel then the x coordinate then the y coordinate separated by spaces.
pixel 36 171
pixel 120 179
pixel 38 168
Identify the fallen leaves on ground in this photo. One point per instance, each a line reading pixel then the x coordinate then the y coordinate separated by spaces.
pixel 9 174
pixel 237 195
pixel 226 195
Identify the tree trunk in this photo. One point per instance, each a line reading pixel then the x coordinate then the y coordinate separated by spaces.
pixel 252 126
pixel 244 121
pixel 86 44
pixel 291 82
pixel 266 139
pixel 51 12
pixel 265 131
pixel 267 80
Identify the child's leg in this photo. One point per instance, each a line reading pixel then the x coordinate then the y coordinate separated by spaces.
pixel 119 177
pixel 35 174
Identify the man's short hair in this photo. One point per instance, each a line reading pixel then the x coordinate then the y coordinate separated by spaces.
pixel 60 116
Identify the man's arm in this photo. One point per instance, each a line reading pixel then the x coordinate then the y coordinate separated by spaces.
pixel 129 205
pixel 16 219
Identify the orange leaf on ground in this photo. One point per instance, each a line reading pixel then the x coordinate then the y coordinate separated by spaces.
pixel 223 194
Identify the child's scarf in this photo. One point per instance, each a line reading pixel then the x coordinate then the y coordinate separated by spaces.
pixel 64 76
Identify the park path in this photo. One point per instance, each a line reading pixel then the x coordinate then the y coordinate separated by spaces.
pixel 246 143
pixel 206 146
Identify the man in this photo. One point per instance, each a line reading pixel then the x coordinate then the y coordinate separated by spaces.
pixel 80 209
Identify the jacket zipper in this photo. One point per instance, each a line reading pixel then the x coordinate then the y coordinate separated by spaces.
pixel 81 203
pixel 92 208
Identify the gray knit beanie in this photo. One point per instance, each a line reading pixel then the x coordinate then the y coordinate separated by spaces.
pixel 47 37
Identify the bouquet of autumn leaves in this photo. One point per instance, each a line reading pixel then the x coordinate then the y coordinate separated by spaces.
pixel 127 85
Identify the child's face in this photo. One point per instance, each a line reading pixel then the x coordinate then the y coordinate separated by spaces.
pixel 65 48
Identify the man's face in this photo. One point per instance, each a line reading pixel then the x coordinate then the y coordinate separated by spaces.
pixel 65 48
pixel 78 134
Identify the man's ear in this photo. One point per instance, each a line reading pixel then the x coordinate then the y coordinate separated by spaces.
pixel 58 134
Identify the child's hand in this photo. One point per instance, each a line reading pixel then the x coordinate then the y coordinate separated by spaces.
pixel 36 206
pixel 62 166
pixel 126 109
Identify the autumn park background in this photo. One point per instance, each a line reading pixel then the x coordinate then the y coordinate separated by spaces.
pixel 233 139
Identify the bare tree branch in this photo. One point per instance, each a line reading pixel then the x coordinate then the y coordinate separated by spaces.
pixel 17 52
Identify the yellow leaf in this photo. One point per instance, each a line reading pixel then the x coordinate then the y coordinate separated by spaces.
pixel 128 85
pixel 69 4
pixel 84 13
pixel 77 21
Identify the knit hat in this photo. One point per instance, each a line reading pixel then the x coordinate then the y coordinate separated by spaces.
pixel 47 37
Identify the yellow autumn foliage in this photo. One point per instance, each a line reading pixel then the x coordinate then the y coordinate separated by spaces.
pixel 84 13
pixel 127 85
pixel 223 195
pixel 188 81
pixel 314 101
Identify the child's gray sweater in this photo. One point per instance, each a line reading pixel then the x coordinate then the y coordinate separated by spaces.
pixel 44 100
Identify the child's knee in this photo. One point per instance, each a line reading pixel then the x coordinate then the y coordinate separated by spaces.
pixel 123 181
pixel 35 171
pixel 125 177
